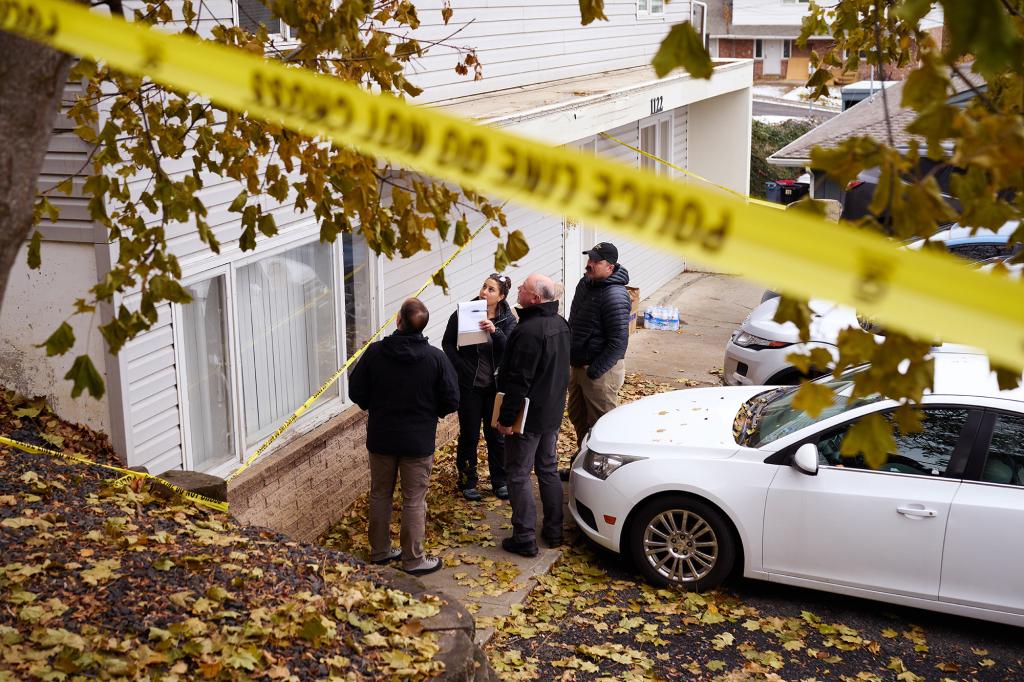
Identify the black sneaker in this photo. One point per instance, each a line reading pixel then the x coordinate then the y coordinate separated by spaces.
pixel 501 492
pixel 472 494
pixel 563 474
pixel 527 549
pixel 551 540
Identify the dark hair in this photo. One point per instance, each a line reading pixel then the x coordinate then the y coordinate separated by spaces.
pixel 504 282
pixel 413 315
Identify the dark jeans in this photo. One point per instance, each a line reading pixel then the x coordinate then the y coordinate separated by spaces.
pixel 476 406
pixel 534 451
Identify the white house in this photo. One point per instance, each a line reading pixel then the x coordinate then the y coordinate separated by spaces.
pixel 213 378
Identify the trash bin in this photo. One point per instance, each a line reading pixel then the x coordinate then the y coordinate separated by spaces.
pixel 773 192
pixel 795 191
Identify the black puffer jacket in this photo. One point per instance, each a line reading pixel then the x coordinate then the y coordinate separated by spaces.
pixel 406 385
pixel 536 366
pixel 599 321
pixel 466 359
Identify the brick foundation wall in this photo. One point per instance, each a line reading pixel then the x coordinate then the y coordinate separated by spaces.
pixel 307 484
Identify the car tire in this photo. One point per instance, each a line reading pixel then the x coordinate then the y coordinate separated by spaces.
pixel 681 541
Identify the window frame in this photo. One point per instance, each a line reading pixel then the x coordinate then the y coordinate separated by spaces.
pixel 758 48
pixel 181 368
pixel 280 38
pixel 655 122
pixel 645 10
pixel 982 442
pixel 787 48
pixel 318 414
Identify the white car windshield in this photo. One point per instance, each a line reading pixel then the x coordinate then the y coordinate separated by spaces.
pixel 776 417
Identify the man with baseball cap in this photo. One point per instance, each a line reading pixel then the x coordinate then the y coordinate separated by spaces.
pixel 599 327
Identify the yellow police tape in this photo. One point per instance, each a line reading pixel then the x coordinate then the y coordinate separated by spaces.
pixel 921 292
pixel 690 173
pixel 348 363
pixel 128 473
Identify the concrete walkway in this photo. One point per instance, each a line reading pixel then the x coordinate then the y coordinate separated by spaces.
pixel 490 581
pixel 710 306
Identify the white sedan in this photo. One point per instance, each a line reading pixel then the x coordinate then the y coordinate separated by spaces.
pixel 695 484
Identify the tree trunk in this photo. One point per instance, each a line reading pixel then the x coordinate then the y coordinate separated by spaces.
pixel 32 78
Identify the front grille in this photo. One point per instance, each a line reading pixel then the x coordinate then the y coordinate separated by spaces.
pixel 586 516
pixel 741 369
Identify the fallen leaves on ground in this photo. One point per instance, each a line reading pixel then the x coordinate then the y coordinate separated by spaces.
pixel 111 583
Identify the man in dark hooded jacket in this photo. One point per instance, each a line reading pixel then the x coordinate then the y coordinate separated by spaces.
pixel 406 385
pixel 599 324
pixel 536 367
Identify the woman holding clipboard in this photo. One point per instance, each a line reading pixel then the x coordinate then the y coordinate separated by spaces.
pixel 476 363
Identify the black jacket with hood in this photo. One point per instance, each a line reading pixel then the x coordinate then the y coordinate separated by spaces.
pixel 536 366
pixel 406 385
pixel 599 321
pixel 466 359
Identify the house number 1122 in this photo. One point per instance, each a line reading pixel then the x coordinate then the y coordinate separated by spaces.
pixel 657 105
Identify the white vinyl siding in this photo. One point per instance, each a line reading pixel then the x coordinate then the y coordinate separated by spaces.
pixel 467 272
pixel 679 131
pixel 152 391
pixel 649 268
pixel 520 44
pixel 67 155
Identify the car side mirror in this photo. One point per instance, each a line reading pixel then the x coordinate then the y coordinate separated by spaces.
pixel 805 459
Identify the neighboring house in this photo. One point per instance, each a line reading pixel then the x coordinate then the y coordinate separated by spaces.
pixel 212 379
pixel 766 31
pixel 868 117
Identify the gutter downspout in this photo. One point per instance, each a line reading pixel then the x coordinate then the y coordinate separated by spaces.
pixel 703 21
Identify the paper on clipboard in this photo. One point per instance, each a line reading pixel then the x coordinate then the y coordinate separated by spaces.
pixel 471 314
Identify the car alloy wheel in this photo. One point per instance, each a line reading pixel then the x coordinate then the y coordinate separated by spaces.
pixel 680 545
pixel 682 541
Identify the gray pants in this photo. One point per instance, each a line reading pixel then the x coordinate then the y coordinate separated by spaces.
pixel 534 451
pixel 415 477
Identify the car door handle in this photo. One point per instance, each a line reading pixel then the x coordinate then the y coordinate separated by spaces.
pixel 916 511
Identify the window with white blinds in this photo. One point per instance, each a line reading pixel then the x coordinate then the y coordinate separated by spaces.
pixel 287 333
pixel 656 139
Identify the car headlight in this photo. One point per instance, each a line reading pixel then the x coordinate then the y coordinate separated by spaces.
pixel 603 466
pixel 748 340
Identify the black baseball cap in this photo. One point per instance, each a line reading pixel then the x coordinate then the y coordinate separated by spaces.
pixel 603 251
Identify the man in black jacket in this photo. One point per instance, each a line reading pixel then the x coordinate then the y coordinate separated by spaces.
pixel 599 321
pixel 536 366
pixel 406 385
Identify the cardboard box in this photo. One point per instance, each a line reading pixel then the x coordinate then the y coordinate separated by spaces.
pixel 634 307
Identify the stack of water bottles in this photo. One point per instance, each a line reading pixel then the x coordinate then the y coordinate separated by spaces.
pixel 662 318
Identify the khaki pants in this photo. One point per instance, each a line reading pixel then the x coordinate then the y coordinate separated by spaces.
pixel 590 399
pixel 415 478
